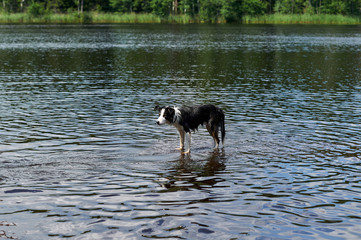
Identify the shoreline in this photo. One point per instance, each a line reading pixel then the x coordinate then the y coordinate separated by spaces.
pixel 113 18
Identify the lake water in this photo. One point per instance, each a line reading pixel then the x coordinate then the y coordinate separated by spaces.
pixel 81 156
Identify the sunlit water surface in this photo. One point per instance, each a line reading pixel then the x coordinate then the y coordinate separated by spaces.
pixel 81 156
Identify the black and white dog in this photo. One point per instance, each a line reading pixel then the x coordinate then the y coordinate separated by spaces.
pixel 187 119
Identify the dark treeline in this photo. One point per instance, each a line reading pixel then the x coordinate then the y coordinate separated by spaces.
pixel 207 10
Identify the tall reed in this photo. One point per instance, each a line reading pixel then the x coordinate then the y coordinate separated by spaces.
pixel 95 17
pixel 125 18
pixel 301 19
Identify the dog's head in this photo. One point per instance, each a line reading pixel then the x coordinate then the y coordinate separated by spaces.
pixel 166 115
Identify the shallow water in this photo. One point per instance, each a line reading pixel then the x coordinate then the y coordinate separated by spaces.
pixel 82 158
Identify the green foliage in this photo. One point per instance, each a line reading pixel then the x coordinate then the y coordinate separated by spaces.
pixel 335 7
pixel 36 9
pixel 232 10
pixel 85 17
pixel 161 8
pixel 290 6
pixel 121 5
pixel 210 10
pixel 349 7
pixel 182 10
pixel 141 6
pixel 253 7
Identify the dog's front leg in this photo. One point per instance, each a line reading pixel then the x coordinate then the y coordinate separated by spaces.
pixel 181 141
pixel 189 144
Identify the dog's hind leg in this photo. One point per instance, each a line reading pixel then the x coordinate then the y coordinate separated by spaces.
pixel 210 133
pixel 213 131
pixel 215 137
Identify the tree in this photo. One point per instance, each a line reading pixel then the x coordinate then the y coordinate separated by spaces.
pixel 122 5
pixel 232 10
pixel 141 6
pixel 80 6
pixel 36 9
pixel 334 7
pixel 189 7
pixel 161 8
pixel 290 6
pixel 354 7
pixel 206 10
pixel 270 5
pixel 253 7
pixel 210 10
pixel 175 6
pixel 12 5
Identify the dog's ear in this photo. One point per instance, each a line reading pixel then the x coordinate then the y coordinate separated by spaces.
pixel 170 110
pixel 157 108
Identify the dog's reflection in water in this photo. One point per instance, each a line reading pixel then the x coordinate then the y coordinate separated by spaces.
pixel 189 173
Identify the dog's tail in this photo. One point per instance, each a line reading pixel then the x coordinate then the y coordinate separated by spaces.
pixel 223 129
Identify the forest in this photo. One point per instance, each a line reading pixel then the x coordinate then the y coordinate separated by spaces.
pixel 204 10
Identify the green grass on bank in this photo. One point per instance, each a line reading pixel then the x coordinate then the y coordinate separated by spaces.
pixel 302 19
pixel 74 18
pixel 94 17
pixel 91 17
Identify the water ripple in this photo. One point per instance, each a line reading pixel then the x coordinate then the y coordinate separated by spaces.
pixel 82 158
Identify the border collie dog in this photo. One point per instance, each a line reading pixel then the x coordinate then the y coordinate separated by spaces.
pixel 187 119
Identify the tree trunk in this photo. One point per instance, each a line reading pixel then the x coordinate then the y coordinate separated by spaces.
pixel 175 6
